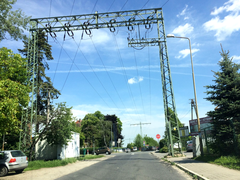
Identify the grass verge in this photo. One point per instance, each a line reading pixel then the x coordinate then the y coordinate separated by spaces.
pixel 38 164
pixel 232 162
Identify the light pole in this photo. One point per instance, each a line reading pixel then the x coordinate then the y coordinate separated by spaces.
pixel 194 87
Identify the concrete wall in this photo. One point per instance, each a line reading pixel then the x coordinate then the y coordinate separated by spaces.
pixel 44 151
pixel 71 150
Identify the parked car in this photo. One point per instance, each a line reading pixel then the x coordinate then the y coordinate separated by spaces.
pixel 134 148
pixel 12 160
pixel 127 150
pixel 103 150
pixel 119 150
pixel 189 146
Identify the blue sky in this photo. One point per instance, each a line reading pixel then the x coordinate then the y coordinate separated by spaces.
pixel 113 78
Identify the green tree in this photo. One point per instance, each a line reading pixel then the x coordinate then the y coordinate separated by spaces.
pixel 138 141
pixel 12 23
pixel 225 95
pixel 14 94
pixel 59 131
pixel 150 141
pixel 43 82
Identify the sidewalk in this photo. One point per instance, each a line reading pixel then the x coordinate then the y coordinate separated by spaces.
pixel 202 169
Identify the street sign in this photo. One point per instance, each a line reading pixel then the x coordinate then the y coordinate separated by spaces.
pixel 158 136
pixel 119 140
pixel 143 143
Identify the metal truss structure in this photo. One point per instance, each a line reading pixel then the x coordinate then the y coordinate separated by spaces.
pixel 112 21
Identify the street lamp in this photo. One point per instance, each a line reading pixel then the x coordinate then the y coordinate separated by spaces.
pixel 194 87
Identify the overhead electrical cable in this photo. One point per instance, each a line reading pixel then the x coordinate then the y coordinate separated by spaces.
pixel 84 75
pixel 139 83
pixel 108 73
pixel 124 5
pixel 96 75
pixel 125 74
pixel 145 4
pixel 94 5
pixel 111 6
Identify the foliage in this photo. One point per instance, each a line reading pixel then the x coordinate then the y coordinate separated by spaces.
pixel 150 141
pixel 59 131
pixel 130 145
pixel 96 128
pixel 163 149
pixel 232 162
pixel 138 141
pixel 225 95
pixel 12 23
pixel 33 165
pixel 13 90
pixel 162 143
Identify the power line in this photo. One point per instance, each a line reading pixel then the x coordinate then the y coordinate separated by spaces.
pixel 145 4
pixel 165 3
pixel 94 5
pixel 111 5
pixel 107 72
pixel 72 7
pixel 124 5
pixel 84 76
pixel 97 77
pixel 139 82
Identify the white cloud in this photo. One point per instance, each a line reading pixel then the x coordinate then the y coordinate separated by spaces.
pixel 236 59
pixel 183 11
pixel 185 52
pixel 231 5
pixel 226 26
pixel 183 30
pixel 135 80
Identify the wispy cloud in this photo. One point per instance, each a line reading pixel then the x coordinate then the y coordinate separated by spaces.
pixel 236 59
pixel 135 80
pixel 226 26
pixel 183 12
pixel 185 52
pixel 183 30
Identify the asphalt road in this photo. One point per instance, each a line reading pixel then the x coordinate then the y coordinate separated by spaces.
pixel 129 166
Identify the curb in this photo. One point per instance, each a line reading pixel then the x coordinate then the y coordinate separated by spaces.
pixel 184 169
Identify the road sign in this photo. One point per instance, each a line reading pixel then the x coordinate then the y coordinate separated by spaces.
pixel 158 136
pixel 143 143
pixel 119 140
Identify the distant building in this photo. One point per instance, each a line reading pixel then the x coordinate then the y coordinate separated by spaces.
pixel 205 122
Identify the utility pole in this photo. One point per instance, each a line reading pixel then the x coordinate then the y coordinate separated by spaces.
pixel 48 104
pixel 140 126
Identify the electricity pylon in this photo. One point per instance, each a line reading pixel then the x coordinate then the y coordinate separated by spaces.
pixel 140 126
pixel 113 20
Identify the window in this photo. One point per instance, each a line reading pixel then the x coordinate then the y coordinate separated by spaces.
pixel 17 153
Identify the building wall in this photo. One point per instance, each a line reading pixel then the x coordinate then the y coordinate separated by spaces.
pixel 44 151
pixel 71 150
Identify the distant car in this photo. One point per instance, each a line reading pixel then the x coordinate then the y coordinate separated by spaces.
pixel 12 160
pixel 134 148
pixel 127 150
pixel 189 146
pixel 119 150
pixel 103 150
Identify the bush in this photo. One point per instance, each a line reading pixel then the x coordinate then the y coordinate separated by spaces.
pixel 163 150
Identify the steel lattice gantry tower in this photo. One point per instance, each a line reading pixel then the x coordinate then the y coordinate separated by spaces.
pixel 112 21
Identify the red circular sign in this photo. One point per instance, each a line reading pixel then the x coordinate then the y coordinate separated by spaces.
pixel 158 136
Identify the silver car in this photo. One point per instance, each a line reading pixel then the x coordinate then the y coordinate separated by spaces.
pixel 12 160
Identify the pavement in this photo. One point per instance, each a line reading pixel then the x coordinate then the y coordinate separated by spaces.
pixel 201 169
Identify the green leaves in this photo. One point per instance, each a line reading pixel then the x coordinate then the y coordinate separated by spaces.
pixel 12 23
pixel 225 95
pixel 14 94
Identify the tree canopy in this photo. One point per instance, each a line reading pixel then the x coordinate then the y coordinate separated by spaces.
pixel 225 95
pixel 138 141
pixel 12 23
pixel 14 94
